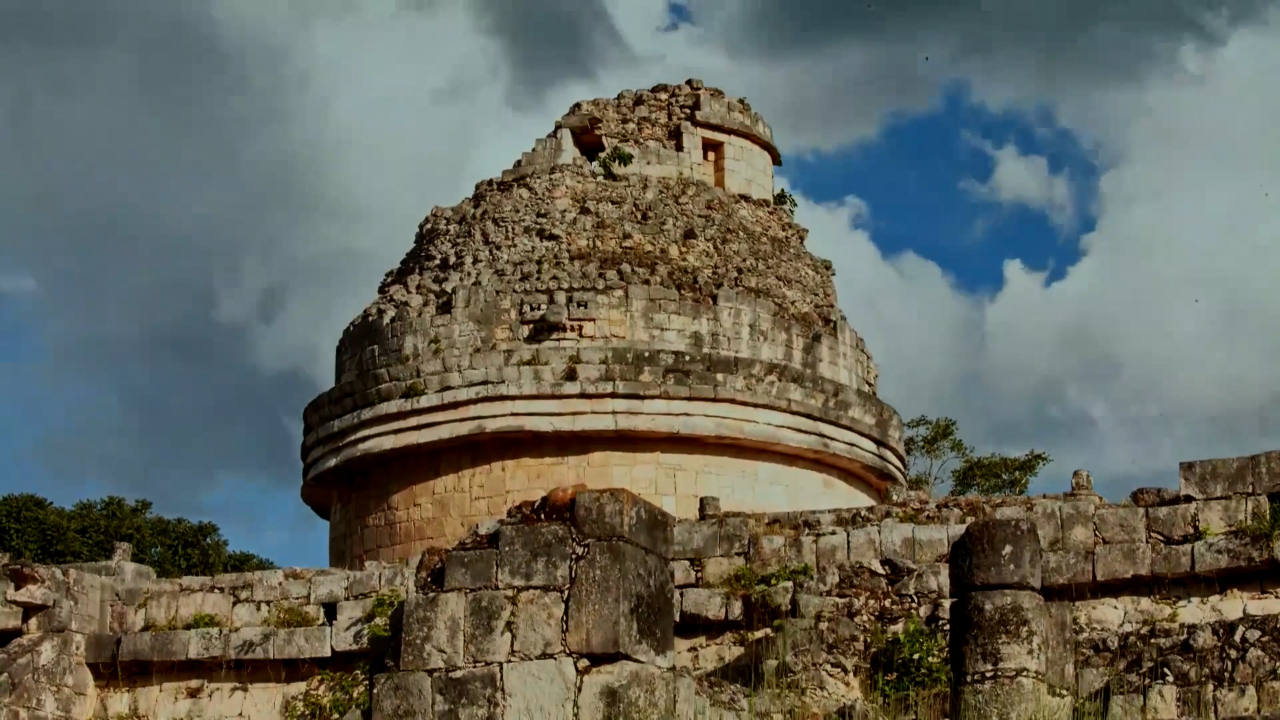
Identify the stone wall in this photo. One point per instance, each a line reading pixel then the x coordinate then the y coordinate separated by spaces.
pixel 1161 605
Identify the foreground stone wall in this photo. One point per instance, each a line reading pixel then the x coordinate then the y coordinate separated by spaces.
pixel 597 604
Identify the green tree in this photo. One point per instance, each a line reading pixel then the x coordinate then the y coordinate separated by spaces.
pixel 33 528
pixel 933 444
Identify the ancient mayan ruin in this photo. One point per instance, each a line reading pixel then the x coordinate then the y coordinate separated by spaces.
pixel 604 446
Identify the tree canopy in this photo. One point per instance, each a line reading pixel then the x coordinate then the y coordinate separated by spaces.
pixel 933 444
pixel 33 528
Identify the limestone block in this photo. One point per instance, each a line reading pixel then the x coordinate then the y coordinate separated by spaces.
pixel 897 540
pixel 1196 702
pixel 350 625
pixel 294 643
pixel 433 631
pixel 249 614
pixel 1218 478
pixel 363 582
pixel 864 543
pixel 328 588
pixel 1066 568
pixel 703 605
pixel 1226 552
pixel 538 625
pixel 619 514
pixel 1060 649
pixel 996 554
pixel 208 644
pixel 1173 523
pixel 486 637
pixel 168 646
pixel 471 569
pixel 683 574
pixel 1269 696
pixel 1219 516
pixel 539 689
pixel 534 555
pixel 1047 515
pixel 250 644
pixel 931 579
pixel 621 602
pixel 1171 560
pixel 1266 472
pixel 831 550
pixel 1121 561
pixel 1235 700
pixel 1162 703
pixel 1005 632
pixel 716 570
pixel 696 539
pixel 467 694
pixel 626 691
pixel 103 647
pixel 930 542
pixel 1118 524
pixel 1077 526
pixel 402 696
pixel 1125 706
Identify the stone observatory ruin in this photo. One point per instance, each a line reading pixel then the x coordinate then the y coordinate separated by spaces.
pixel 655 326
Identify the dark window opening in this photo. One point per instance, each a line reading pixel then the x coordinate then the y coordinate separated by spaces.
pixel 713 161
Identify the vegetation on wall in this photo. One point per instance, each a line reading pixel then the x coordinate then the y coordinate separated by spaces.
pixel 33 528
pixel 932 445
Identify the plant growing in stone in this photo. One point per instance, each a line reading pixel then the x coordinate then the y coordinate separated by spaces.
pixel 1263 525
pixel 913 665
pixel 746 579
pixel 785 200
pixel 286 616
pixel 203 621
pixel 617 156
pixel 330 696
pixel 378 619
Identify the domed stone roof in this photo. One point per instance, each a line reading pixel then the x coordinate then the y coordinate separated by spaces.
pixel 603 307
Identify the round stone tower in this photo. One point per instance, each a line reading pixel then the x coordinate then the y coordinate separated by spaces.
pixel 654 325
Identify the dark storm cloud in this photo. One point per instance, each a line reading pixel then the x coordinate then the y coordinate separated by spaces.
pixel 143 154
pixel 548 42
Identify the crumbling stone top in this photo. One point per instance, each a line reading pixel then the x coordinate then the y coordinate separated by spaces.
pixel 568 228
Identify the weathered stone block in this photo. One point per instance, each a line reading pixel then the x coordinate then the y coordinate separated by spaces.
pixel 897 541
pixel 1229 552
pixel 832 550
pixel 621 602
pixel 1077 526
pixel 625 691
pixel 1217 478
pixel 1171 560
pixel 1172 523
pixel 996 554
pixel 486 638
pixel 703 605
pixel 351 624
pixel 716 570
pixel 999 630
pixel 539 689
pixel 620 514
pixel 1162 702
pixel 1066 568
pixel 328 587
pixel 1219 516
pixel 433 631
pixel 100 648
pixel 930 542
pixel 467 694
pixel 534 555
pixel 293 643
pixel 1266 472
pixel 538 625
pixel 1059 647
pixel 209 644
pixel 864 543
pixel 1121 561
pixel 250 644
pixel 931 579
pixel 1237 700
pixel 1047 515
pixel 471 569
pixel 682 573
pixel 170 646
pixel 1121 524
pixel 402 696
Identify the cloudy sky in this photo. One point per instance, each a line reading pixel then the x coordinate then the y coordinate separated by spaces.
pixel 1054 220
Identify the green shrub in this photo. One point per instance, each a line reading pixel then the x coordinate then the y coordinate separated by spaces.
pixel 285 616
pixel 330 696
pixel 203 621
pixel 914 663
pixel 378 619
